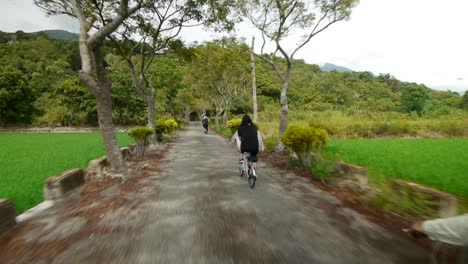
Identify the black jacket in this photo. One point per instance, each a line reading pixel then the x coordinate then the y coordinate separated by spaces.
pixel 249 139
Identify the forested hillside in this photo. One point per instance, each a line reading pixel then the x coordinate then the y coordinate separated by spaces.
pixel 39 85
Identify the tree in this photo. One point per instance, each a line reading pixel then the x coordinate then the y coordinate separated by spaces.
pixel 168 77
pixel 277 19
pixel 158 26
pixel 98 19
pixel 413 98
pixel 464 101
pixel 66 104
pixel 331 89
pixel 220 68
pixel 16 96
pixel 254 82
pixel 128 107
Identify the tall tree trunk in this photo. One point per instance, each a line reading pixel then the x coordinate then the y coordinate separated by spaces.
pixel 187 113
pixel 114 155
pixel 227 110
pixel 283 123
pixel 150 102
pixel 218 112
pixel 254 82
pixel 93 74
pixel 225 116
pixel 172 111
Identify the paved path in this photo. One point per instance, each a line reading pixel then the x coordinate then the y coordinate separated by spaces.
pixel 198 210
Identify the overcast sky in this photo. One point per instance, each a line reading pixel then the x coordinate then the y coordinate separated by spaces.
pixel 424 41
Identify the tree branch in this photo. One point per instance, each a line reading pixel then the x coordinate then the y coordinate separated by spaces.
pixel 123 13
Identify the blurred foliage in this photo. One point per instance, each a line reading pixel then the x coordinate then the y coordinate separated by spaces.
pixel 141 136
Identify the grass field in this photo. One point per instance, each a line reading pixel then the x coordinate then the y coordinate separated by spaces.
pixel 26 160
pixel 440 163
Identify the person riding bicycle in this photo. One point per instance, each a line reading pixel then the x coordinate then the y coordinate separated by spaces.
pixel 248 138
pixel 205 123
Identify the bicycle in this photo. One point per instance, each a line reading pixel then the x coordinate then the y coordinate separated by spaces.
pixel 249 164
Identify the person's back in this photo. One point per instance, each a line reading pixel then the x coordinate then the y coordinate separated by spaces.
pixel 248 135
pixel 205 124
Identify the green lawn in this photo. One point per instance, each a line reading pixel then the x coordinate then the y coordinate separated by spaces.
pixel 26 160
pixel 440 163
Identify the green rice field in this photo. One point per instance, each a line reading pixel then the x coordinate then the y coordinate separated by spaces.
pixel 439 163
pixel 27 159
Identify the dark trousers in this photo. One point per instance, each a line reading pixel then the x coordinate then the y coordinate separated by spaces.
pixel 206 127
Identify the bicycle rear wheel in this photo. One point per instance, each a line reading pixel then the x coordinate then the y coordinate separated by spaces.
pixel 252 180
pixel 252 177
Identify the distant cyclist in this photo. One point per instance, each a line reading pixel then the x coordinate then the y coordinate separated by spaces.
pixel 247 137
pixel 205 123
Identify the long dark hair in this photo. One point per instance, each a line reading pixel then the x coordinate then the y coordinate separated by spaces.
pixel 246 120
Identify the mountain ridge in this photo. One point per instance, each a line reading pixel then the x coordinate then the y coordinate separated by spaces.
pixel 328 67
pixel 60 34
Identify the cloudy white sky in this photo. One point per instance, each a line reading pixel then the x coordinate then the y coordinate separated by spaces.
pixel 422 41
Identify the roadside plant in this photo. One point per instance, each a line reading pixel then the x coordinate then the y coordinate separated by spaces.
pixel 171 125
pixel 141 136
pixel 302 140
pixel 234 124
pixel 160 128
pixel 322 168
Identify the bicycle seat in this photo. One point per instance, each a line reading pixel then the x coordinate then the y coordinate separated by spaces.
pixel 252 158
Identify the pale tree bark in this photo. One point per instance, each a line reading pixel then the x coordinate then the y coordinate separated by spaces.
pixel 226 113
pixel 283 122
pixel 165 24
pixel 276 19
pixel 94 75
pixel 254 83
pixel 150 105
pixel 218 112
pixel 97 22
pixel 187 113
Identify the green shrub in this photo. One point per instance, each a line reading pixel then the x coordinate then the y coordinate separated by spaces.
pixel 160 128
pixel 141 137
pixel 171 125
pixel 302 139
pixel 234 124
pixel 322 168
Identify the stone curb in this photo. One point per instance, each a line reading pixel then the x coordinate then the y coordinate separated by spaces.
pixel 447 203
pixel 350 174
pixel 59 186
pixel 7 215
